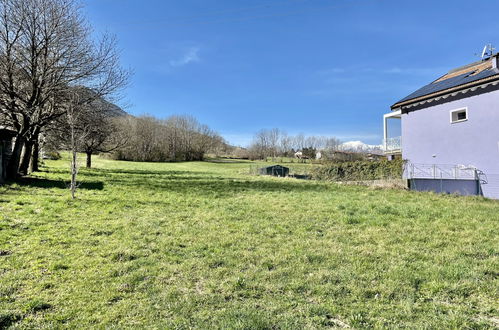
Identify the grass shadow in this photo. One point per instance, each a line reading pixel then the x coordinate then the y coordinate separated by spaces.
pixel 102 171
pixel 47 183
pixel 227 161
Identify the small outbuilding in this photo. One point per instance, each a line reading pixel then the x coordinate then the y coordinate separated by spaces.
pixel 275 170
pixel 6 138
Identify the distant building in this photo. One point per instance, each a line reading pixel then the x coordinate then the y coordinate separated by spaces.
pixel 450 131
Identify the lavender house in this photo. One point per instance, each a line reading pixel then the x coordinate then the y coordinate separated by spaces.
pixel 450 131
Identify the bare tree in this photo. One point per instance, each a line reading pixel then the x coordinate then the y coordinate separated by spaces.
pixel 274 135
pixel 299 142
pixel 260 146
pixel 177 138
pixel 102 132
pixel 276 142
pixel 285 144
pixel 332 144
pixel 75 111
pixel 144 134
pixel 96 118
pixel 266 143
pixel 46 48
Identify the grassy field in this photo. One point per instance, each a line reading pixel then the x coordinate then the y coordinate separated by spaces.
pixel 197 245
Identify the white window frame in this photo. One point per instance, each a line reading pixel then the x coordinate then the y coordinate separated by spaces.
pixel 465 109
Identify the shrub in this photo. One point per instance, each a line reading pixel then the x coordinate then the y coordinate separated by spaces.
pixel 359 170
pixel 52 155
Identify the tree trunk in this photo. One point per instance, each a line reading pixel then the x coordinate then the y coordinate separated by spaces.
pixel 34 164
pixel 74 171
pixel 74 162
pixel 30 156
pixel 89 159
pixel 15 158
pixel 28 149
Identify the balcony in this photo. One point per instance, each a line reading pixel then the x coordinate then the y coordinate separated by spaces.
pixel 392 145
pixel 392 141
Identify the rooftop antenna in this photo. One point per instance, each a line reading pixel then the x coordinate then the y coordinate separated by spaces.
pixel 488 51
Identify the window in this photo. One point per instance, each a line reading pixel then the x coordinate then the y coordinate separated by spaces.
pixel 459 115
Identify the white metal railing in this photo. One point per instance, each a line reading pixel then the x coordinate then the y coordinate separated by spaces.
pixel 441 171
pixel 392 144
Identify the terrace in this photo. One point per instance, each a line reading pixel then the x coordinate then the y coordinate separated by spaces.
pixel 392 139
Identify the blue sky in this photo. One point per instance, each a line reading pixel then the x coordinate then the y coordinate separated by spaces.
pixel 318 67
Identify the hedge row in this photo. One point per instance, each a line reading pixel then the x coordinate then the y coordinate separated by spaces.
pixel 359 170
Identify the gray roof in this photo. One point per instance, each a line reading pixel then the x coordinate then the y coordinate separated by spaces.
pixel 274 166
pixel 438 86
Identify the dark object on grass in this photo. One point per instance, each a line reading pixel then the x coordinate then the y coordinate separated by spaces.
pixel 300 176
pixel 275 170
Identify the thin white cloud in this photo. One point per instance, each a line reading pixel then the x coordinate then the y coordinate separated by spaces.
pixel 190 56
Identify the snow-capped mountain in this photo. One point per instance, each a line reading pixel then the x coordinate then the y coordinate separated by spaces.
pixel 360 146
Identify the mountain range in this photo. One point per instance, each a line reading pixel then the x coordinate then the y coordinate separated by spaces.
pixel 359 146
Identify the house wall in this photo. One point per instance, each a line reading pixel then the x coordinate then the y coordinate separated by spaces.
pixel 461 187
pixel 430 138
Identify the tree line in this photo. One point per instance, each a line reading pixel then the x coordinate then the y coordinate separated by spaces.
pixel 176 138
pixel 277 143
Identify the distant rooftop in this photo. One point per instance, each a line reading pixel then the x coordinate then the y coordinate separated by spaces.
pixel 460 76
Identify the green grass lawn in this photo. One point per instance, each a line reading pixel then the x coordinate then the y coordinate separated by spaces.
pixel 197 245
